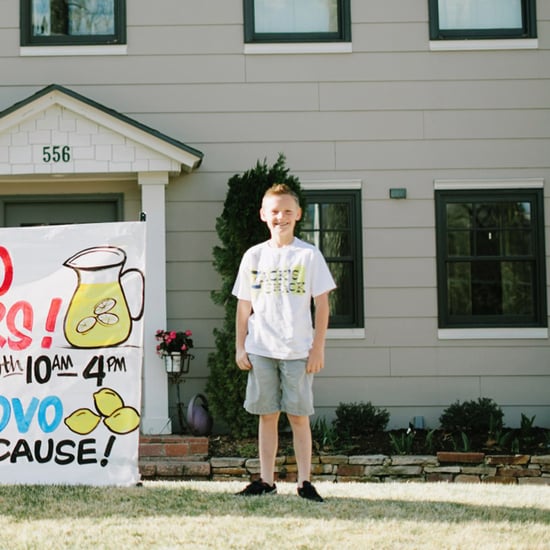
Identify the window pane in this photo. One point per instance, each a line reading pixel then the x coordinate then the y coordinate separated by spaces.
pixel 336 216
pixel 480 14
pixel 488 215
pixel 459 243
pixel 459 216
pixel 487 243
pixel 341 300
pixel 295 16
pixel 321 224
pixel 311 220
pixel 517 214
pixel 77 17
pixel 336 244
pixel 517 288
pixel 486 283
pixel 518 243
pixel 311 224
pixel 491 288
pixel 459 289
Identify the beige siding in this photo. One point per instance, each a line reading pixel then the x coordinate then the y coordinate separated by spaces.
pixel 390 114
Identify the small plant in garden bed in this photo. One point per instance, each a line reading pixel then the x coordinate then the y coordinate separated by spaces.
pixel 403 444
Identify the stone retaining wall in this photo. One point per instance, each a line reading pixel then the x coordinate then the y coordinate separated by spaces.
pixel 443 467
pixel 447 467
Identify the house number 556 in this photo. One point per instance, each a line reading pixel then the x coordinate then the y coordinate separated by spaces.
pixel 56 153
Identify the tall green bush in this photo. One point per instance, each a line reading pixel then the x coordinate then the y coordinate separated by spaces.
pixel 239 227
pixel 483 415
pixel 356 420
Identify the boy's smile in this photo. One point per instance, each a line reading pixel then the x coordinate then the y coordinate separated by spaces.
pixel 280 213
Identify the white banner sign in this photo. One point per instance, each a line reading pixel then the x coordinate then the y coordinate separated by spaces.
pixel 71 332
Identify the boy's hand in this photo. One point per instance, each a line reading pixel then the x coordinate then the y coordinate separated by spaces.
pixel 241 358
pixel 315 361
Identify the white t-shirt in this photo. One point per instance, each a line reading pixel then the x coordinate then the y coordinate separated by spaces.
pixel 280 283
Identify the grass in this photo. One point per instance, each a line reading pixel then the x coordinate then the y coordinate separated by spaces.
pixel 206 515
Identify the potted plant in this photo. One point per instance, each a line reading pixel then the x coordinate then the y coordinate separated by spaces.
pixel 173 346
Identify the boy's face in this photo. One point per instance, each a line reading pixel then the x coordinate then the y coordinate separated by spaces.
pixel 280 213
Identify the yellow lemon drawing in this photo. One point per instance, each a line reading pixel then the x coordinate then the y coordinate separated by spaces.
pixel 107 401
pixel 123 421
pixel 82 421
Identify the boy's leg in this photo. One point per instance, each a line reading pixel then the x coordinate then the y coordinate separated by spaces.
pixel 301 432
pixel 301 436
pixel 268 440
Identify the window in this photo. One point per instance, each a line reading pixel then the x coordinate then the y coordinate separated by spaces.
pixel 491 258
pixel 72 22
pixel 297 21
pixel 332 222
pixel 482 19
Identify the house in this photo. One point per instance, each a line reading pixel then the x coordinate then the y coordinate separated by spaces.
pixel 420 130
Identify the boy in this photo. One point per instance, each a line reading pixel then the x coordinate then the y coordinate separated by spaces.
pixel 275 341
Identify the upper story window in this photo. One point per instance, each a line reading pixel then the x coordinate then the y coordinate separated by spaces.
pixel 72 22
pixel 266 21
pixel 482 19
pixel 491 258
pixel 332 222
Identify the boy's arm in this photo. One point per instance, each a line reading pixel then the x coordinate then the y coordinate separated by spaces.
pixel 316 359
pixel 244 309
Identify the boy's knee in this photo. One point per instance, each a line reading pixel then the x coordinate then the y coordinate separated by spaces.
pixel 270 417
pixel 296 420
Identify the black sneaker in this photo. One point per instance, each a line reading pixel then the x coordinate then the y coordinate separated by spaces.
pixel 308 491
pixel 258 487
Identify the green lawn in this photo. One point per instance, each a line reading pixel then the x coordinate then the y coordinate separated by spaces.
pixel 208 515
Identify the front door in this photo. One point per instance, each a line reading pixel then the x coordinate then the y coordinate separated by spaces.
pixel 59 209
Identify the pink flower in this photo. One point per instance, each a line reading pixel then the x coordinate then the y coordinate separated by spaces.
pixel 171 341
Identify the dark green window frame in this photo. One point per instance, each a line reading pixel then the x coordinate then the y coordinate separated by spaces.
pixel 342 35
pixel 491 255
pixel 340 241
pixel 527 30
pixel 28 39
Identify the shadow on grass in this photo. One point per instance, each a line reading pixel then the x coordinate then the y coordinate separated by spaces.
pixel 67 502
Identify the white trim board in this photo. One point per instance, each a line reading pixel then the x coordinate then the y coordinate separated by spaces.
pixel 527 183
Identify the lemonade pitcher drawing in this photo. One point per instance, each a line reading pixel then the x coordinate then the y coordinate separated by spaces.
pixel 99 314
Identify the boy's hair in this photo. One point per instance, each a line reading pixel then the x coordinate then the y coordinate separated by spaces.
pixel 281 189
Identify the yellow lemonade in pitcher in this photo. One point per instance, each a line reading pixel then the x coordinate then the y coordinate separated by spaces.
pixel 97 316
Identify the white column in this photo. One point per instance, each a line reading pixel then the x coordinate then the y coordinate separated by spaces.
pixel 154 418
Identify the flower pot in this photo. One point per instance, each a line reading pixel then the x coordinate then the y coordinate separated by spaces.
pixel 176 363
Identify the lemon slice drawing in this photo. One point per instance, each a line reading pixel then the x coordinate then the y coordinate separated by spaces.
pixel 104 306
pixel 86 324
pixel 108 319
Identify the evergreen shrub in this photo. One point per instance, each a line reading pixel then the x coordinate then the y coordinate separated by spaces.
pixel 482 416
pixel 355 420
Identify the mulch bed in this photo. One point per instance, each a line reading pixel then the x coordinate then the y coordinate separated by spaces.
pixel 537 442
